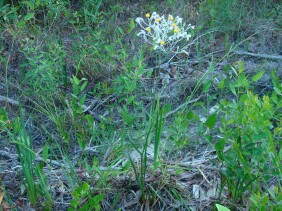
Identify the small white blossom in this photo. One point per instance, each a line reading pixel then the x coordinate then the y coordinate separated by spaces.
pixel 164 33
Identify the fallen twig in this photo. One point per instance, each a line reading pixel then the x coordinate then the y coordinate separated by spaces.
pixel 95 116
pixel 183 105
pixel 198 165
pixel 190 165
pixel 9 100
pixel 8 155
pixel 267 56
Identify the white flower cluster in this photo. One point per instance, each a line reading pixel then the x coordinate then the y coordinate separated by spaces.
pixel 164 33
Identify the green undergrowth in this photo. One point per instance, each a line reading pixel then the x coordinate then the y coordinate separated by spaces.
pixel 102 117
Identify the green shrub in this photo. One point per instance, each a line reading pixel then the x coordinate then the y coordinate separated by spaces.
pixel 251 126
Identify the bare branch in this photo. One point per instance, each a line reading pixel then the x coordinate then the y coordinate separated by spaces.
pixel 267 56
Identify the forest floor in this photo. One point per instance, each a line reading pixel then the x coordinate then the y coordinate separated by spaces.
pixel 92 118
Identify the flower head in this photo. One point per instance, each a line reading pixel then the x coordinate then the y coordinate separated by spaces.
pixel 165 34
pixel 176 30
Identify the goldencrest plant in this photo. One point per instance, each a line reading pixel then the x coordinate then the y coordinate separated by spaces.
pixel 164 33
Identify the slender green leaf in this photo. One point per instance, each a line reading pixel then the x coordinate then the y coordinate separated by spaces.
pixel 258 76
pixel 221 208
pixel 29 16
pixel 45 152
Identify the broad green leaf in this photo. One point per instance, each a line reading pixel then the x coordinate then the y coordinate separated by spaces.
pixel 83 86
pixel 232 88
pixel 81 144
pixel 210 122
pixel 207 86
pixel 244 98
pixel 21 24
pixel 85 186
pixel 189 115
pixel 264 201
pixel 277 91
pixel 274 97
pixel 221 208
pixel 221 84
pixel 130 99
pixel 241 67
pixel 149 73
pixel 230 121
pixel 73 203
pixel 196 117
pixel 258 76
pixel 167 108
pixel 98 198
pixel 219 146
pixel 131 25
pixel 75 80
pixel 29 16
pixel 82 100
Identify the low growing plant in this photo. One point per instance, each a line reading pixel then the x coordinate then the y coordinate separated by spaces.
pixel 34 180
pixel 155 126
pixel 83 199
pixel 43 72
pixel 251 127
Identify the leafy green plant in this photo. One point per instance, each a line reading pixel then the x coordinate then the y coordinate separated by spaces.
pixel 232 16
pixel 91 11
pixel 43 70
pixel 8 13
pixel 270 200
pixel 78 98
pixel 4 120
pixel 178 130
pixel 77 102
pixel 83 199
pixel 247 127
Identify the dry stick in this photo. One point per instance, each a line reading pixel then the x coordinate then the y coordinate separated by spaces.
pixel 48 161
pixel 96 116
pixel 267 56
pixel 204 176
pixel 200 164
pixel 8 154
pixel 196 166
pixel 15 156
pixel 8 100
pixel 183 105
